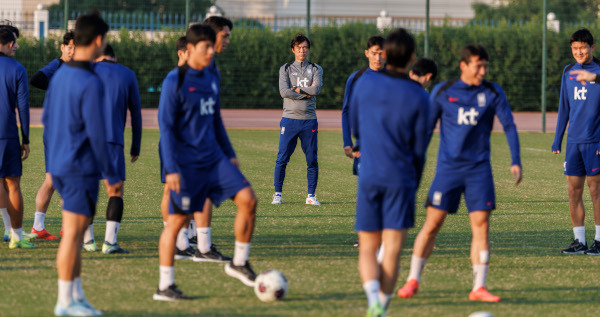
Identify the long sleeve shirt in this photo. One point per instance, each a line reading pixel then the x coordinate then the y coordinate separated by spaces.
pixel 220 131
pixel 41 78
pixel 74 124
pixel 14 94
pixel 467 115
pixel 121 93
pixel 309 78
pixel 346 133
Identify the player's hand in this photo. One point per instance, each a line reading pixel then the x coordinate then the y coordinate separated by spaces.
pixel 356 154
pixel 173 182
pixel 348 151
pixel 583 76
pixel 134 158
pixel 556 152
pixel 235 162
pixel 24 152
pixel 297 90
pixel 517 173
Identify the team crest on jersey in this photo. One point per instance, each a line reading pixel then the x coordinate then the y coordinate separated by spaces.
pixel 214 88
pixel 481 99
pixel 309 71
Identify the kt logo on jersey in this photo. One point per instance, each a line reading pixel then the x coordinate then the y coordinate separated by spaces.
pixel 467 117
pixel 580 93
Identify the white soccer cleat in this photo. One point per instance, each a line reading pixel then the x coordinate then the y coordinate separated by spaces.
pixel 312 200
pixel 276 199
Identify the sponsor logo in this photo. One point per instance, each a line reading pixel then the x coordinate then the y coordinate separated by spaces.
pixel 314 130
pixel 192 89
pixel 437 198
pixel 580 93
pixel 467 117
pixel 282 130
pixel 207 107
pixel 214 87
pixel 481 99
pixel 571 78
pixel 595 169
pixel 185 203
pixel 489 203
pixel 565 166
pixel 452 99
pixel 302 82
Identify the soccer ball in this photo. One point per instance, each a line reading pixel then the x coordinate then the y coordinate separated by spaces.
pixel 481 314
pixel 270 286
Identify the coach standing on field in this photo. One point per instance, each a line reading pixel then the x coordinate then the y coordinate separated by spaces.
pixel 299 84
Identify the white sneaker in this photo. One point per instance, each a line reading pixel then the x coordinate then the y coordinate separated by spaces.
pixel 312 200
pixel 276 199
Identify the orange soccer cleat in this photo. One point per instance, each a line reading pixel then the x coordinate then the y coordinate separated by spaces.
pixel 409 289
pixel 44 234
pixel 481 294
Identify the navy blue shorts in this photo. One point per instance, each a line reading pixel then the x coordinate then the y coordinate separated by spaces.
pixel 117 156
pixel 581 159
pixel 10 158
pixel 45 158
pixel 448 185
pixel 355 166
pixel 79 193
pixel 219 182
pixel 383 207
pixel 162 168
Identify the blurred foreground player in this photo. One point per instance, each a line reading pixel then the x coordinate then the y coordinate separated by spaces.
pixel 466 108
pixel 78 156
pixel 424 72
pixel 389 113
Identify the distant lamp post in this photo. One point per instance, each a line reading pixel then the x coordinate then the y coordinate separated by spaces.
pixel 552 23
pixel 384 21
pixel 41 21
pixel 213 11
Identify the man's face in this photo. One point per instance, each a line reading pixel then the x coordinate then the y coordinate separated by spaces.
pixel 15 46
pixel 223 38
pixel 67 51
pixel 301 51
pixel 474 71
pixel 425 80
pixel 582 52
pixel 201 54
pixel 375 56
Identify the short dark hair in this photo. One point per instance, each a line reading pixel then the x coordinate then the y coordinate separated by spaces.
pixel 109 51
pixel 425 66
pixel 10 26
pixel 399 47
pixel 200 32
pixel 68 37
pixel 473 50
pixel 299 38
pixel 218 23
pixel 375 40
pixel 6 35
pixel 582 35
pixel 88 27
pixel 181 44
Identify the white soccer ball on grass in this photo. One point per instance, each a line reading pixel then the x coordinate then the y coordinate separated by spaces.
pixel 270 286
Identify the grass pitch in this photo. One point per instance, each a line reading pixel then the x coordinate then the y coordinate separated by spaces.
pixel 312 245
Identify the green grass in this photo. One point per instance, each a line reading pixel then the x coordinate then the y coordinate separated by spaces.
pixel 312 245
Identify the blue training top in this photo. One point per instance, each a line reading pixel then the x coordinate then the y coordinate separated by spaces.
pixel 467 116
pixel 121 93
pixel 389 113
pixel 74 124
pixel 220 131
pixel 345 109
pixel 187 118
pixel 14 93
pixel 579 106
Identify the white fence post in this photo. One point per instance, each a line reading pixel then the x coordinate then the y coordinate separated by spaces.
pixel 41 20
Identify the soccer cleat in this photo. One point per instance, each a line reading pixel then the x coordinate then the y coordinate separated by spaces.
pixel 312 200
pixel 243 273
pixel 356 243
pixel 376 310
pixel 6 236
pixel 186 254
pixel 481 294
pixel 90 246
pixel 594 249
pixel 29 236
pixel 410 288
pixel 193 241
pixel 575 248
pixel 277 200
pixel 108 248
pixel 23 244
pixel 77 308
pixel 171 294
pixel 211 256
pixel 44 234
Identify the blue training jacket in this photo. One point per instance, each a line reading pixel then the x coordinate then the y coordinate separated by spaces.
pixel 187 118
pixel 389 115
pixel 74 124
pixel 346 134
pixel 14 94
pixel 466 115
pixel 121 93
pixel 579 106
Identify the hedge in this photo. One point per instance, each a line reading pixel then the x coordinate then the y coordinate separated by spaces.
pixel 250 65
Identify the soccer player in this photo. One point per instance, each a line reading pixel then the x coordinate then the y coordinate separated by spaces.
pixel 579 106
pixel 424 72
pixel 466 109
pixel 195 164
pixel 299 84
pixel 41 80
pixel 78 155
pixel 121 93
pixel 14 95
pixel 389 119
